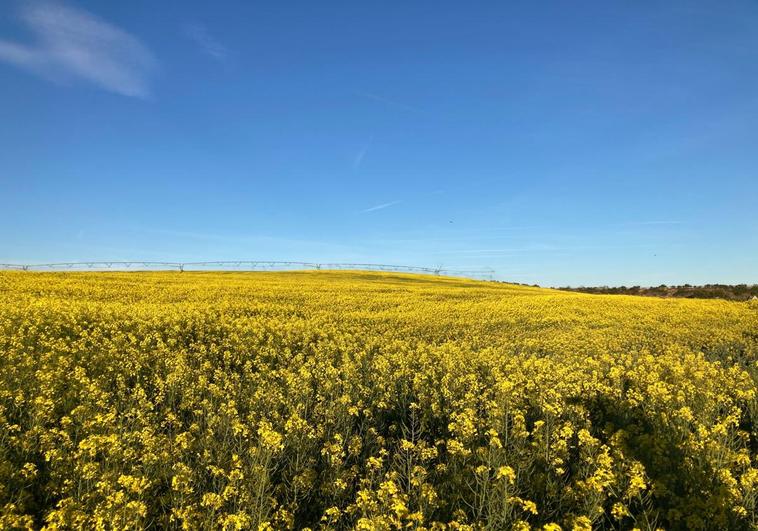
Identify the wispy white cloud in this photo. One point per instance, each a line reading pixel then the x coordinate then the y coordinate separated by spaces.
pixel 654 222
pixel 527 249
pixel 389 101
pixel 74 44
pixel 542 248
pixel 380 207
pixel 241 239
pixel 207 43
pixel 358 160
pixel 204 246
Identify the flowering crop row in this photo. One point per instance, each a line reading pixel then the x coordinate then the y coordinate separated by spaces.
pixel 354 400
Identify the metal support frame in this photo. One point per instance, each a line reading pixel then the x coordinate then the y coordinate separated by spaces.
pixel 249 265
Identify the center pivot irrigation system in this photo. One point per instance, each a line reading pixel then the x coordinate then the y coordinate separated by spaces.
pixel 244 265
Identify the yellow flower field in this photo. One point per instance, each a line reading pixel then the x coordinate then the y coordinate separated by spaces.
pixel 355 400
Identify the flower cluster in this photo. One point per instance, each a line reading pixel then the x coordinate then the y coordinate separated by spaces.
pixel 354 400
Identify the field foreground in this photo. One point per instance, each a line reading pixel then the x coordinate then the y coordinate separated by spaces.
pixel 340 400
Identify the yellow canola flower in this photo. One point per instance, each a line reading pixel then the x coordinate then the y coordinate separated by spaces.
pixel 507 473
pixel 341 400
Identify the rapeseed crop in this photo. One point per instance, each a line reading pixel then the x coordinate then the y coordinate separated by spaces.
pixel 353 400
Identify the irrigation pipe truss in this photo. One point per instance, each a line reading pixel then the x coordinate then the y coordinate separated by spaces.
pixel 247 265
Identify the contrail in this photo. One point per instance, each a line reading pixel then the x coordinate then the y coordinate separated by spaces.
pixel 383 205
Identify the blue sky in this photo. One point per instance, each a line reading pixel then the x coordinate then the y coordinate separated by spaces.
pixel 557 143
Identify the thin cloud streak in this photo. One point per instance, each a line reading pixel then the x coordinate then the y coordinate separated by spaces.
pixel 653 223
pixel 233 238
pixel 208 44
pixel 229 246
pixel 74 44
pixel 542 248
pixel 358 160
pixel 382 206
pixel 503 251
pixel 390 102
